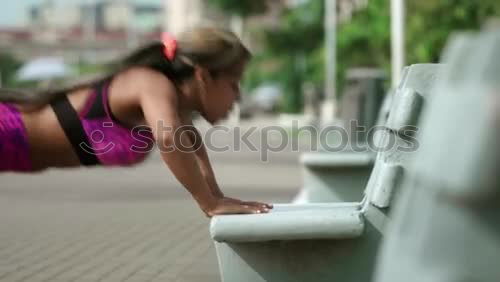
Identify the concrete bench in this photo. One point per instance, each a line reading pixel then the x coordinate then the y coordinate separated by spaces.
pixel 446 224
pixel 319 241
pixel 343 176
pixel 338 176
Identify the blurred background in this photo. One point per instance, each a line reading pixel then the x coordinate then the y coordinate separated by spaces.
pixel 313 60
pixel 42 41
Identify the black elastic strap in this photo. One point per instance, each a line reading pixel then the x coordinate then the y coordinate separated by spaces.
pixel 72 126
pixel 97 109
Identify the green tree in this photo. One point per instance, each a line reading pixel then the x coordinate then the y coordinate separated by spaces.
pixel 8 68
pixel 291 53
pixel 365 40
pixel 430 23
pixel 296 44
pixel 294 52
pixel 242 8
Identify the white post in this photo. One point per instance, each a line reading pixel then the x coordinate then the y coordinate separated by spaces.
pixel 132 36
pixel 166 15
pixel 397 39
pixel 90 31
pixel 183 14
pixel 90 22
pixel 237 25
pixel 328 110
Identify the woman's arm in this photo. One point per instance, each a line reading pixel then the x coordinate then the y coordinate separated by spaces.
pixel 159 104
pixel 202 158
pixel 159 107
pixel 206 167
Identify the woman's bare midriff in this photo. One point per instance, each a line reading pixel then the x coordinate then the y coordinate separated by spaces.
pixel 49 146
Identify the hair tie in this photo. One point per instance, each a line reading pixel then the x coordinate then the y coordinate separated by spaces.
pixel 170 45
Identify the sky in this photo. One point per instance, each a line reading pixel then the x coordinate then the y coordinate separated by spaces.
pixel 13 12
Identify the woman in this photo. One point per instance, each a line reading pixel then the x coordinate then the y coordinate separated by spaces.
pixel 149 97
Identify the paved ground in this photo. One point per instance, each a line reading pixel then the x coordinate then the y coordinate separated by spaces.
pixel 133 224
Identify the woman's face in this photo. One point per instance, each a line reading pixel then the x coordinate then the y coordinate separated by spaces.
pixel 222 92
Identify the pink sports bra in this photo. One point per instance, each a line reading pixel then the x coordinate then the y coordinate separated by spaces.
pixel 112 143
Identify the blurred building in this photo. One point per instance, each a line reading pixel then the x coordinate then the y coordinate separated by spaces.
pixel 96 32
pixel 48 15
pixel 102 16
pixel 105 29
pixel 181 15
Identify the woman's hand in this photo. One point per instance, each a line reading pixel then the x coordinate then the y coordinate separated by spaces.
pixel 228 205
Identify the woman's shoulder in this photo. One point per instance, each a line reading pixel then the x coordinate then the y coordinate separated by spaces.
pixel 145 81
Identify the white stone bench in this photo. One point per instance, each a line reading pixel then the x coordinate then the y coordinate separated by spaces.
pixel 343 176
pixel 330 177
pixel 446 224
pixel 319 241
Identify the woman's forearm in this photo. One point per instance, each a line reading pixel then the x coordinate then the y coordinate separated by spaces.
pixel 214 187
pixel 207 171
pixel 203 160
pixel 185 168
